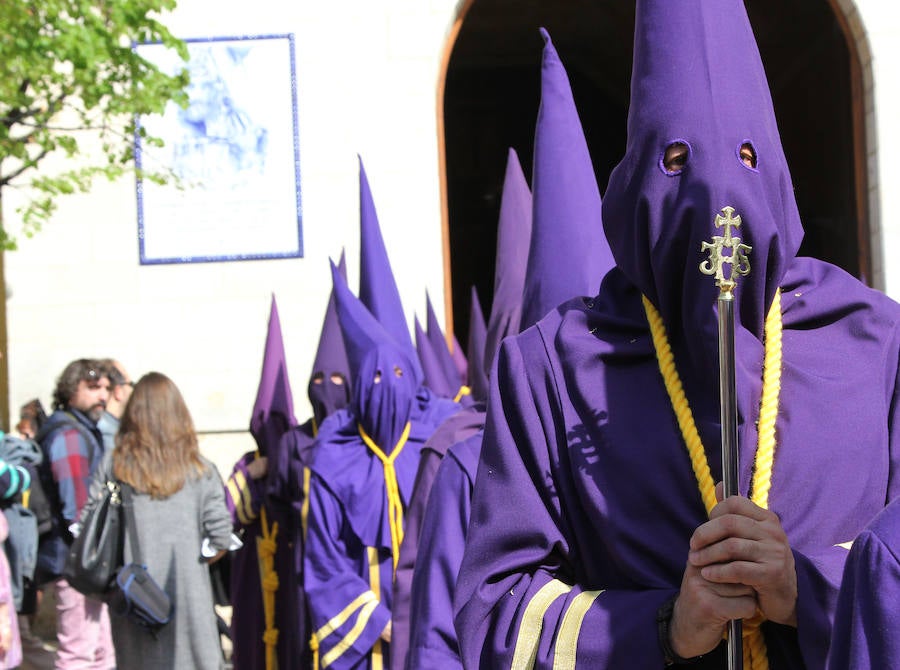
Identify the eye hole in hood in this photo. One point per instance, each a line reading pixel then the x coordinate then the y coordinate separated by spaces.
pixel 675 158
pixel 746 154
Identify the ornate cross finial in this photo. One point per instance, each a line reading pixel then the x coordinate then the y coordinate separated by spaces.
pixel 715 264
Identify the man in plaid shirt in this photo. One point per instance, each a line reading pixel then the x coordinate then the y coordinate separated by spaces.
pixel 73 448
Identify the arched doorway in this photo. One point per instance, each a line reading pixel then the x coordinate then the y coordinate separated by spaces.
pixel 491 94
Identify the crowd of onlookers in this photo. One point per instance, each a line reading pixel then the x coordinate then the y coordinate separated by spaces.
pixel 105 427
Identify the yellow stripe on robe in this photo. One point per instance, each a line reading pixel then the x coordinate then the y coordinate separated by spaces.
pixel 341 618
pixel 237 500
pixel 246 495
pixel 570 628
pixel 375 585
pixel 338 650
pixel 533 621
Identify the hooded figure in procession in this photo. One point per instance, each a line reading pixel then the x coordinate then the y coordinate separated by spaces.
pixel 362 477
pixel 597 535
pixel 565 225
pixel 258 608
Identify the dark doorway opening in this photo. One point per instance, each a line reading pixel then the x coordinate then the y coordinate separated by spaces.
pixel 492 93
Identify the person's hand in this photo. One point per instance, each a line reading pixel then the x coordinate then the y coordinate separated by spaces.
pixel 743 543
pixel 702 610
pixel 386 633
pixel 258 467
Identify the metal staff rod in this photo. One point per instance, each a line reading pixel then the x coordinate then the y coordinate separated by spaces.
pixel 740 266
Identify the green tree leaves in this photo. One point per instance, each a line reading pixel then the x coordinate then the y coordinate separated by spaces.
pixel 68 72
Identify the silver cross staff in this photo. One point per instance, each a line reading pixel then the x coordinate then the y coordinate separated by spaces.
pixel 740 266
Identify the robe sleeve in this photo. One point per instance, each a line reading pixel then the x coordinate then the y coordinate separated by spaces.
pixel 347 615
pixel 868 617
pixel 519 602
pixel 433 642
pixel 243 495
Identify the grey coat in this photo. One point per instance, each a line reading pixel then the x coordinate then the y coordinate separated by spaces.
pixel 170 532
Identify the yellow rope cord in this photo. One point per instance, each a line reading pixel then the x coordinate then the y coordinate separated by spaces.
pixel 395 502
pixel 680 405
pixel 768 408
pixel 265 548
pixel 755 657
pixel 463 390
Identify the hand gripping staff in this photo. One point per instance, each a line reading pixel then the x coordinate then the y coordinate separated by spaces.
pixel 740 266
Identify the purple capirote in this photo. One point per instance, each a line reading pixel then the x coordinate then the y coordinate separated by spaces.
pixel 568 254
pixel 477 373
pixel 513 234
pixel 432 369
pixel 377 287
pixel 273 410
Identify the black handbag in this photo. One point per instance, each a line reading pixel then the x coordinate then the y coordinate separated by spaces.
pixel 138 596
pixel 95 555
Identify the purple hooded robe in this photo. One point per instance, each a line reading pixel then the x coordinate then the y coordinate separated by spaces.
pixel 585 498
pixel 867 620
pixel 273 415
pixel 566 225
pixel 285 496
pixel 513 232
pixel 350 546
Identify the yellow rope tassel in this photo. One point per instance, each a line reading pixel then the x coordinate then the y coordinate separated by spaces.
pixel 754 647
pixel 395 502
pixel 265 550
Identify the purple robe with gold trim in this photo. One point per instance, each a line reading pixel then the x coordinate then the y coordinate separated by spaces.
pixel 348 567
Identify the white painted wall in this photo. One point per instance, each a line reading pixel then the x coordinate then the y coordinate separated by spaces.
pixel 367 78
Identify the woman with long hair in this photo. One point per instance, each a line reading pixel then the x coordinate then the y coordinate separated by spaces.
pixel 178 503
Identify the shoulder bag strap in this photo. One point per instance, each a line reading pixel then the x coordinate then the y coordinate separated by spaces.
pixel 130 526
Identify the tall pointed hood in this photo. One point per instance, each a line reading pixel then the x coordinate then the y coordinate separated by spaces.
pixel 477 374
pixel 513 235
pixel 568 255
pixel 329 384
pixel 385 380
pixel 439 346
pixel 431 366
pixel 377 286
pixel 698 80
pixel 273 411
pixel 459 359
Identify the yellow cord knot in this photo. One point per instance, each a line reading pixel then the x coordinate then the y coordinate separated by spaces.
pixel 270 637
pixel 392 487
pixel 267 547
pixel 270 583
